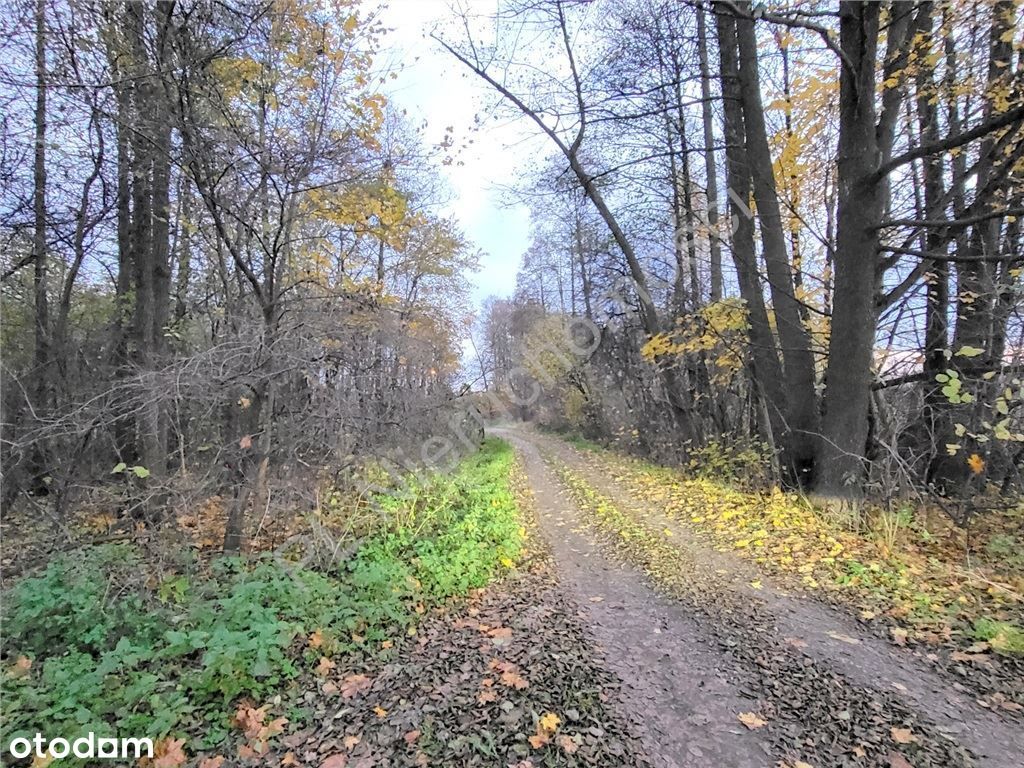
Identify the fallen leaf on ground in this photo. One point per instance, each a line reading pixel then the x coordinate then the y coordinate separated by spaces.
pixel 550 722
pixel 351 741
pixel 289 760
pixel 902 735
pixel 756 584
pixel 335 761
pixel 411 737
pixel 353 685
pixel 380 711
pixel 212 762
pixel 961 656
pixel 896 760
pixel 796 642
pixel 249 719
pixel 844 638
pixel 245 752
pixel 513 679
pixel 168 753
pixel 751 720
pixel 567 743
pixel 21 667
pixel 538 740
pixel 325 666
pixel 316 639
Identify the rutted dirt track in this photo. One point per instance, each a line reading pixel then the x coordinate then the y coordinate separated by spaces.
pixel 695 651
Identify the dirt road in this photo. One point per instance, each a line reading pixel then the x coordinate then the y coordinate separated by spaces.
pixel 699 650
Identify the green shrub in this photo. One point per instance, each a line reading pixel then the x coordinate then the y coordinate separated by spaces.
pixel 1003 636
pixel 112 655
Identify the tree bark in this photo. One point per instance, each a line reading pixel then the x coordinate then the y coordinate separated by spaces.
pixel 41 355
pixel 802 423
pixel 711 170
pixel 766 368
pixel 861 201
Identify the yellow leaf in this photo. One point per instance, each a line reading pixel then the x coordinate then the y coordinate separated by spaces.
pixel 550 721
pixel 752 721
pixel 380 711
pixel 976 463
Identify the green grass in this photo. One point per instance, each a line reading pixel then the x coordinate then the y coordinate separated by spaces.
pixel 116 649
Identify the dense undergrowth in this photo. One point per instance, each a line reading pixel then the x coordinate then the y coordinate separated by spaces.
pixel 98 642
pixel 894 565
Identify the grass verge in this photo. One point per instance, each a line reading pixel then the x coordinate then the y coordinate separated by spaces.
pixel 102 642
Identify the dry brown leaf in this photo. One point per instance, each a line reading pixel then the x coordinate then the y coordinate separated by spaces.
pixel 316 639
pixel 513 679
pixel 168 753
pixel 538 740
pixel 335 761
pixel 21 667
pixel 796 642
pixel 961 656
pixel 896 760
pixel 380 712
pixel 411 737
pixel 751 720
pixel 353 685
pixel 245 752
pixel 351 741
pixel 212 762
pixel 567 743
pixel 902 735
pixel 324 667
pixel 249 719
pixel 486 696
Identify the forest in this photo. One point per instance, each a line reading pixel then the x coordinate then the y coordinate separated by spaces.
pixel 731 473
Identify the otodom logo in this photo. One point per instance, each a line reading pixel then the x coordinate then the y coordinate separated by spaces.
pixel 89 746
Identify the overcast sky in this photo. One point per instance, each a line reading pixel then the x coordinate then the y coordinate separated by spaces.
pixel 434 86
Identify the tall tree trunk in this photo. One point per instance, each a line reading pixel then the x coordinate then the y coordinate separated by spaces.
pixel 798 363
pixel 936 340
pixel 711 171
pixel 860 206
pixel 977 293
pixel 41 357
pixel 767 370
